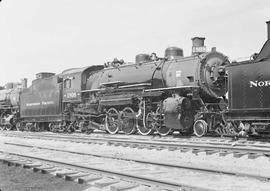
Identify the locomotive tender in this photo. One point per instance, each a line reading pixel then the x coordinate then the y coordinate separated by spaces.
pixel 152 94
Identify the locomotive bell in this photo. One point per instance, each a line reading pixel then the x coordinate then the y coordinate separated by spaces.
pixel 142 58
pixel 173 53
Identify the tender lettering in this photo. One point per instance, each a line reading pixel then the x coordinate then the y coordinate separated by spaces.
pixel 259 83
pixel 32 104
pixel 39 103
pixel 47 102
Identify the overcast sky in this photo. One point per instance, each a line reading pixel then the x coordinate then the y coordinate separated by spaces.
pixel 53 35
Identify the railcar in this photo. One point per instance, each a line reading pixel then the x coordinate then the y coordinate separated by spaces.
pixel 248 111
pixel 249 93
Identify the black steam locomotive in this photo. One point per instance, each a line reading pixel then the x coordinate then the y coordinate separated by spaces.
pixel 151 95
pixel 9 103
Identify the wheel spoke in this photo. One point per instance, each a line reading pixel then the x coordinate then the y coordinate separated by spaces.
pixel 147 128
pixel 111 121
pixel 128 121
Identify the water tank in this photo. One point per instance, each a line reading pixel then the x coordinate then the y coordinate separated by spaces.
pixel 173 53
pixel 142 58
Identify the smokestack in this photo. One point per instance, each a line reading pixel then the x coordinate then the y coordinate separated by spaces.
pixel 268 30
pixel 24 82
pixel 198 45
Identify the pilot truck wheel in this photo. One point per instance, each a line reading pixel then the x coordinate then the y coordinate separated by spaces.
pixel 200 128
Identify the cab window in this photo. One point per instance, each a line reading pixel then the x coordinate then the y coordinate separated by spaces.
pixel 67 83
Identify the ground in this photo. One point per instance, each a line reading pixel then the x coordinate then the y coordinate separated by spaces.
pixel 20 179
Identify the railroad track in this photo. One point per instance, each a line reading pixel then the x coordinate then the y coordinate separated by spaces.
pixel 104 172
pixel 101 135
pixel 96 177
pixel 212 146
pixel 211 170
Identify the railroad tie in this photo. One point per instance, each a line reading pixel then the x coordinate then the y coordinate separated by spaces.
pixel 171 148
pixel 63 172
pixel 71 177
pixel 224 153
pixel 104 182
pixel 126 145
pixel 238 154
pixel 184 150
pixel 123 185
pixel 89 178
pixel 196 151
pixel 42 167
pixel 11 162
pixel 134 146
pixel 254 155
pixel 150 147
pixel 31 165
pixel 210 152
pixel 48 170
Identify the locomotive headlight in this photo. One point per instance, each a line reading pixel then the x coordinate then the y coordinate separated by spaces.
pixel 221 70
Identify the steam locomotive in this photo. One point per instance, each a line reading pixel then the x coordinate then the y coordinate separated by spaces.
pixel 9 103
pixel 151 95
